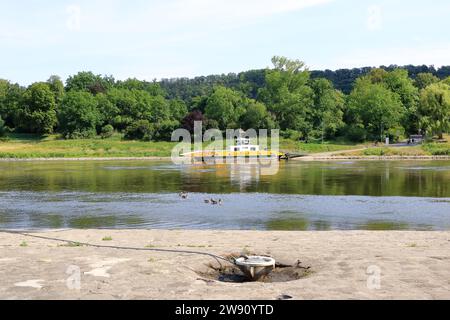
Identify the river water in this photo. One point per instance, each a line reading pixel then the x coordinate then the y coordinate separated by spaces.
pixel 360 195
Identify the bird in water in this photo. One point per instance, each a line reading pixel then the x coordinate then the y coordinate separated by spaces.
pixel 216 202
pixel 207 201
pixel 183 195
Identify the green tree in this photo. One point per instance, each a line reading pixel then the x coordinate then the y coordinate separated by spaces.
pixel 374 107
pixel 109 112
pixel 153 88
pixel 140 130
pixel 288 96
pixel 178 109
pixel 425 79
pixel 11 99
pixel 88 81
pixel 328 111
pixel 224 106
pixel 159 109
pixel 163 130
pixel 399 82
pixel 198 104
pixel 256 116
pixel 124 102
pixel 78 115
pixel 136 105
pixel 434 108
pixel 2 127
pixel 38 114
pixel 57 87
pixel 107 131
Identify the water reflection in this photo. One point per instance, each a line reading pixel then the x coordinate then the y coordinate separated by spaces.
pixel 301 196
pixel 28 209
pixel 344 178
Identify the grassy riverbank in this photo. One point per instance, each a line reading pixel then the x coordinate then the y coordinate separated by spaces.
pixel 32 147
pixel 427 149
pixel 29 147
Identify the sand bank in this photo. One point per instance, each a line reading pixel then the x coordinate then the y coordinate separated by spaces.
pixel 413 265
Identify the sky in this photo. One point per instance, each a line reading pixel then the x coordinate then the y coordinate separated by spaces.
pixel 154 39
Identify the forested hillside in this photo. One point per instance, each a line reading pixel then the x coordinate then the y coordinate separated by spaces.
pixel 357 104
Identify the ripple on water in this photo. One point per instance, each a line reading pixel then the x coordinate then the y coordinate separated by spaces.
pixel 441 168
pixel 239 211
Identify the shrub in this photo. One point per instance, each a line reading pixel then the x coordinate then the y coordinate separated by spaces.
pixel 356 133
pixel 376 152
pixel 164 130
pixel 441 152
pixel 140 130
pixel 2 127
pixel 81 134
pixel 291 134
pixel 107 131
pixel 437 149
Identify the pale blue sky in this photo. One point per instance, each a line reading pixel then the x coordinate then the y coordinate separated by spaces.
pixel 185 38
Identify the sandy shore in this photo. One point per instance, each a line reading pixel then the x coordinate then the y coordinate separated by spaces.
pixel 413 265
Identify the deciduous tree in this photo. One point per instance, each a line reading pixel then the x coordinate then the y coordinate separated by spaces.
pixel 78 115
pixel 435 108
pixel 38 114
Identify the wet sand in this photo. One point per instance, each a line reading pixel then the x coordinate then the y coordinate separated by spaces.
pixel 413 265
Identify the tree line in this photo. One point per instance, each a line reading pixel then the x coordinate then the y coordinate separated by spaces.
pixel 358 104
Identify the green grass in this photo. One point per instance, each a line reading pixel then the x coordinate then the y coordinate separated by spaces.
pixel 426 149
pixel 292 146
pixel 389 151
pixel 24 244
pixel 437 149
pixel 26 146
pixel 109 238
pixel 23 146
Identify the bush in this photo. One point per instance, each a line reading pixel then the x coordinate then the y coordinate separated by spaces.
pixel 107 131
pixel 164 130
pixel 140 130
pixel 437 149
pixel 291 134
pixel 356 133
pixel 377 152
pixel 80 134
pixel 441 152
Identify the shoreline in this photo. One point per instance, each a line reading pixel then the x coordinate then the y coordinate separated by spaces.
pixel 370 158
pixel 306 158
pixel 412 264
pixel 86 159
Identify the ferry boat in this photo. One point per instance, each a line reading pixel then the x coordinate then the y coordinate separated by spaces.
pixel 242 149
